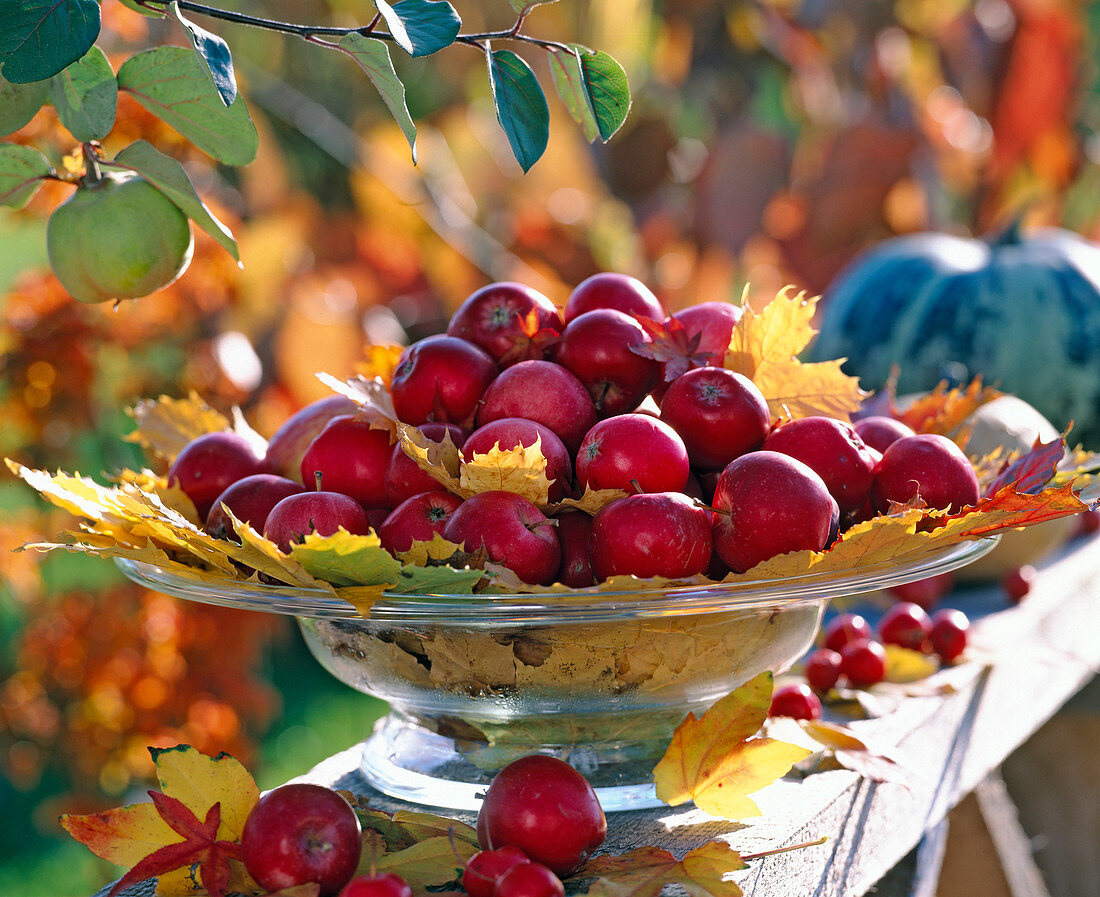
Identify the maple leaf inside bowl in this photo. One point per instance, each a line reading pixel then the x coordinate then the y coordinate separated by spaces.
pixel 600 676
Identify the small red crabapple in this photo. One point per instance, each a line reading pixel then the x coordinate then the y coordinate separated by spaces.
pixel 529 880
pixel 484 869
pixel 822 670
pixel 547 809
pixel 906 624
pixel 1017 583
pixel 863 662
pixel 950 630
pixel 796 700
pixel 382 884
pixel 845 628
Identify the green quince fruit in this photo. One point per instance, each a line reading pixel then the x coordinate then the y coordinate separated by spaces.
pixel 118 237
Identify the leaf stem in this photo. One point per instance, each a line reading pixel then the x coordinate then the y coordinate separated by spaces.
pixel 767 853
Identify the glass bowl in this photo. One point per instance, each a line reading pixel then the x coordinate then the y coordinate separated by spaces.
pixel 600 678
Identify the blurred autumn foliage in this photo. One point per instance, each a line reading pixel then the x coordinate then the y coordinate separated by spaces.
pixel 768 142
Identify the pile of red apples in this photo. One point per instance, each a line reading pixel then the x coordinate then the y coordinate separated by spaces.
pixel 711 481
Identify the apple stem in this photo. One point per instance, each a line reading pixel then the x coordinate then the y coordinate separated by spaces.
pixel 92 172
pixel 768 853
pixel 637 486
pixel 702 504
pixel 317 479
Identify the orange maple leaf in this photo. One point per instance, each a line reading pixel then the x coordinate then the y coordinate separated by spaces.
pixel 380 362
pixel 944 410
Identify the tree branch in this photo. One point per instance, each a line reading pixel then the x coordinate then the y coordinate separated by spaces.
pixel 309 32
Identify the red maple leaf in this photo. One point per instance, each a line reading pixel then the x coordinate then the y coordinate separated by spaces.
pixel 1032 470
pixel 672 346
pixel 200 847
pixel 532 341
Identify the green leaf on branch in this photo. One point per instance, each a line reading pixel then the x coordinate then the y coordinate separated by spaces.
pixel 396 25
pixel 522 7
pixel 214 52
pixel 430 25
pixel 373 57
pixel 520 106
pixel 39 38
pixel 175 86
pixel 569 81
pixel 143 10
pixel 85 96
pixel 19 103
pixel 168 176
pixel 22 169
pixel 607 88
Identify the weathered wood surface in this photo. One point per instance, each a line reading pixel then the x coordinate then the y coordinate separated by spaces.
pixel 1029 660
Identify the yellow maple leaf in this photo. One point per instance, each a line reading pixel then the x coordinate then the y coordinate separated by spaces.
pixel 764 347
pixel 591 501
pixel 166 425
pixel 372 397
pixel 906 665
pixel 380 362
pixel 422 553
pixel 521 470
pixel 440 460
pixel 714 759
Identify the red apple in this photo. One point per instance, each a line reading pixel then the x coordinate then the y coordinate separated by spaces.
pixel 296 516
pixel 596 346
pixel 287 445
pixel 301 834
pixel 543 392
pixel 658 534
pixel 403 477
pixel 441 378
pixel 929 465
pixel 210 463
pixel 250 500
pixel 879 431
pixel 351 457
pixel 574 528
pixel 491 318
pixel 514 533
pixel 718 413
pixel 834 451
pixel 630 449
pixel 417 519
pixel 547 809
pixel 774 504
pixel 618 291
pixel 516 432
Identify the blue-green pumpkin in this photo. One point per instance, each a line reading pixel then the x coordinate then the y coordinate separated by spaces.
pixel 1021 310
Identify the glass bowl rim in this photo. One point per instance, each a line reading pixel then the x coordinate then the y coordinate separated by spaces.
pixel 576 605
